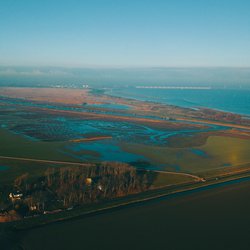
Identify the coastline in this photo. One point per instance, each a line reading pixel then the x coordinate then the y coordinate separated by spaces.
pixel 111 93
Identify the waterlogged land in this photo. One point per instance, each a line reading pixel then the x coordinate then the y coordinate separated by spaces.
pixel 43 129
pixel 216 152
pixel 75 125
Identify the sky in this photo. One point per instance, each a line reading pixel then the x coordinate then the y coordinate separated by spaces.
pixel 125 33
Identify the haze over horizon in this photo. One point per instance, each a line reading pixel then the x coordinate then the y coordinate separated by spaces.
pixel 118 77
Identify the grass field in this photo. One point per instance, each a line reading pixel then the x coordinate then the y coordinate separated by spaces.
pixel 217 152
pixel 163 179
pixel 17 146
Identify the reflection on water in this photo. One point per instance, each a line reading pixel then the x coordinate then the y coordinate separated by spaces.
pixel 43 126
pixel 199 152
pixel 108 151
pixel 2 168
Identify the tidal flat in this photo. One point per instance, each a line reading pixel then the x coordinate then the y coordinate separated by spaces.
pixel 37 123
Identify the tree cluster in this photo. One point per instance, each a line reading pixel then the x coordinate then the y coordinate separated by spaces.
pixel 61 188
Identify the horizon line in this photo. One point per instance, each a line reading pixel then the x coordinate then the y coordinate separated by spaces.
pixel 122 67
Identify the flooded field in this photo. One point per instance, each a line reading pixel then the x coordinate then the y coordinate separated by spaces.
pixel 3 168
pixel 217 152
pixel 123 141
pixel 45 128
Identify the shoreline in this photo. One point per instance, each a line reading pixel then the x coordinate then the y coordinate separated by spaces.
pixel 172 104
pixel 178 116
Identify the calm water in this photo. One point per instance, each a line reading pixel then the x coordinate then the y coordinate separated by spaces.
pixel 236 101
pixel 2 168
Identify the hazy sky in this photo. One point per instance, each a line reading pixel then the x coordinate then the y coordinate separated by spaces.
pixel 125 32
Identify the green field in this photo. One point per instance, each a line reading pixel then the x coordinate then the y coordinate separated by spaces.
pixel 16 146
pixel 217 152
pixel 163 179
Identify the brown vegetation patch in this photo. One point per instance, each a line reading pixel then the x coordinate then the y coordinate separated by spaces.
pixel 92 139
pixel 56 95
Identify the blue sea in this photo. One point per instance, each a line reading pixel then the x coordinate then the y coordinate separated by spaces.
pixel 230 100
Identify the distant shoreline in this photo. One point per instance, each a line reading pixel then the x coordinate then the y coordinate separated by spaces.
pixel 173 87
pixel 192 97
